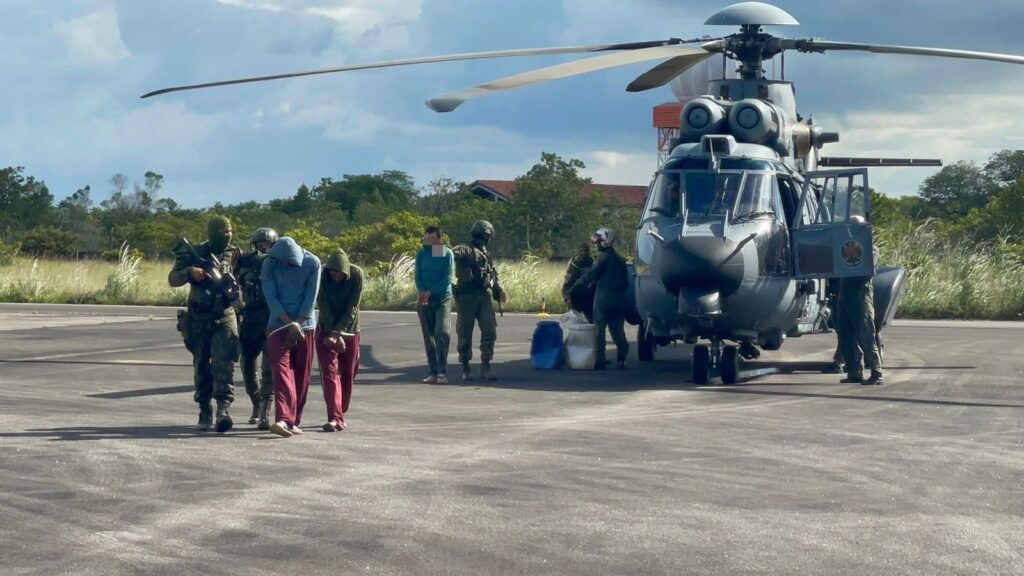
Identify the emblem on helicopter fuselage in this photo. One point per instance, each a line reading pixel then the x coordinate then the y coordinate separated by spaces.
pixel 852 253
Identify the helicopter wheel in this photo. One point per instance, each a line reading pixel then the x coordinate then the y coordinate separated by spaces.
pixel 701 364
pixel 645 344
pixel 730 365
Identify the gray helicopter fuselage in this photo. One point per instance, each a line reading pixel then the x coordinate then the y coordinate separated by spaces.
pixel 714 251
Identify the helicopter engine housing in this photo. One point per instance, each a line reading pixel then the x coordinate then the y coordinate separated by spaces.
pixel 759 122
pixel 702 116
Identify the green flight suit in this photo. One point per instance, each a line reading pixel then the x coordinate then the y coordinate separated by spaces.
pixel 579 298
pixel 610 278
pixel 212 329
pixel 253 331
pixel 855 324
pixel 473 295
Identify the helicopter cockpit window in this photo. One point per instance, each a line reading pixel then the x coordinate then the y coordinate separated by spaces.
pixel 709 194
pixel 665 195
pixel 756 198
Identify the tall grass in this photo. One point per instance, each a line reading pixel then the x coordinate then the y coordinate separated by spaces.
pixel 961 279
pixel 946 279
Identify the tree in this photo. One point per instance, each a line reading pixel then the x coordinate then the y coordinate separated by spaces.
pixel 547 213
pixel 49 241
pixel 1005 167
pixel 956 189
pixel 25 203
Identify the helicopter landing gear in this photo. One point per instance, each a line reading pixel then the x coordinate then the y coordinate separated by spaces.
pixel 708 359
pixel 645 344
pixel 701 364
pixel 730 365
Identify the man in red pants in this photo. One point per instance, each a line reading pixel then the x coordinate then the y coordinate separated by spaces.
pixel 337 335
pixel 290 279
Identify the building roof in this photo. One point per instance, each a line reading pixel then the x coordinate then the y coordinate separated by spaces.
pixel 503 190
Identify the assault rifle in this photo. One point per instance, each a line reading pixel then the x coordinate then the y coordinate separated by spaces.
pixel 495 285
pixel 215 281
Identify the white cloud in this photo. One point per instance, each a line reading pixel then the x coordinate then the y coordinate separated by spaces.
pixel 93 39
pixel 949 127
pixel 617 167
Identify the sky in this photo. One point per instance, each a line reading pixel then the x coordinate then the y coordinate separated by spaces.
pixel 73 72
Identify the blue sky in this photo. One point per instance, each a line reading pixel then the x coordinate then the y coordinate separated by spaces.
pixel 73 72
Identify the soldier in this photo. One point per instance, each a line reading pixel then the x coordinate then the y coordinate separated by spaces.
pixel 579 298
pixel 337 335
pixel 611 281
pixel 253 333
pixel 855 323
pixel 210 326
pixel 476 283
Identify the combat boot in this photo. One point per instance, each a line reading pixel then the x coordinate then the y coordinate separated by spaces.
pixel 224 422
pixel 485 371
pixel 205 416
pixel 852 378
pixel 254 417
pixel 264 416
pixel 467 372
pixel 875 379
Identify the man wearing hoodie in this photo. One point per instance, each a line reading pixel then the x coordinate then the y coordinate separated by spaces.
pixel 435 274
pixel 337 335
pixel 210 327
pixel 291 279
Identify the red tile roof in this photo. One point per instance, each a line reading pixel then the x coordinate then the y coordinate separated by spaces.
pixel 628 195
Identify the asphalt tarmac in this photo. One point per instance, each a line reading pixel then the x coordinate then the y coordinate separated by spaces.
pixel 543 472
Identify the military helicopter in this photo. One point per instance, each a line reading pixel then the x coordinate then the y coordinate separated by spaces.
pixel 741 229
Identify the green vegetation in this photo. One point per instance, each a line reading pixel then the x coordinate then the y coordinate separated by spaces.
pixel 961 238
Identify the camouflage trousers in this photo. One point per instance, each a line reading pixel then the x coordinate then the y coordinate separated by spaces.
pixel 215 347
pixel 253 339
pixel 855 325
pixel 475 307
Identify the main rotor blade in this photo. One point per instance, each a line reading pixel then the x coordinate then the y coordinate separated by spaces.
pixel 814 45
pixel 664 73
pixel 428 60
pixel 452 100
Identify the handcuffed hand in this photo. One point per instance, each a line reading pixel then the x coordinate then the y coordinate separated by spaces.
pixel 336 341
pixel 294 335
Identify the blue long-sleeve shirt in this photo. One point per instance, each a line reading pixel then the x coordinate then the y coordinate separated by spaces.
pixel 291 279
pixel 435 274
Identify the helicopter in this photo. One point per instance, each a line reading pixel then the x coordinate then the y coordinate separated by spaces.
pixel 742 230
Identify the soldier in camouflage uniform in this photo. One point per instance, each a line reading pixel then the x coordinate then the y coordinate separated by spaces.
pixel 855 324
pixel 579 298
pixel 210 327
pixel 475 285
pixel 253 333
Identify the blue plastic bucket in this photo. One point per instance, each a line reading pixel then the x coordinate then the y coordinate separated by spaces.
pixel 546 346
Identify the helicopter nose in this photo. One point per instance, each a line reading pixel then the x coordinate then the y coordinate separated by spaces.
pixel 702 263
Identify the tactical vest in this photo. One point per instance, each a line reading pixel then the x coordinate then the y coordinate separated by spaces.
pixel 203 300
pixel 473 277
pixel 249 267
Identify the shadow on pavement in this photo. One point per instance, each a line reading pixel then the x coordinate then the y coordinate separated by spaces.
pixel 79 433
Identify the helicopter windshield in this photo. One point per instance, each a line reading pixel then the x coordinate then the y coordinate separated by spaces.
pixel 707 195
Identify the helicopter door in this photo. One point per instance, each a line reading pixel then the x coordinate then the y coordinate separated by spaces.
pixel 832 234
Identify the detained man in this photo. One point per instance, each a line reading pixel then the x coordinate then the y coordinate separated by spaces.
pixel 337 335
pixel 291 280
pixel 435 274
